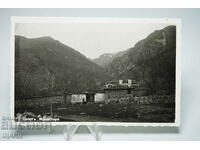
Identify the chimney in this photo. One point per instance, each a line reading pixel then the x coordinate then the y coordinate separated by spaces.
pixel 129 82
pixel 120 82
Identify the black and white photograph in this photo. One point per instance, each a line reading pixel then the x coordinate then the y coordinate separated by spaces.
pixel 83 70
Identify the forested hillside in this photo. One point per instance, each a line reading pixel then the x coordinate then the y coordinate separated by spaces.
pixel 151 62
pixel 44 67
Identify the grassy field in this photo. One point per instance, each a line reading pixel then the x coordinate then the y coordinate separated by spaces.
pixel 111 112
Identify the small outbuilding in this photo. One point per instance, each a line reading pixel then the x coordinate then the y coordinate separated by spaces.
pixel 99 97
pixel 86 97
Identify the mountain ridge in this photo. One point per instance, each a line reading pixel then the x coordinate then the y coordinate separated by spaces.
pixel 44 66
pixel 151 62
pixel 106 58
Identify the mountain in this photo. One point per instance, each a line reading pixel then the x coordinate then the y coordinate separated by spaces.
pixel 151 62
pixel 105 59
pixel 44 67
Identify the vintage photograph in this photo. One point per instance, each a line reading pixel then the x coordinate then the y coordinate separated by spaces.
pixel 96 70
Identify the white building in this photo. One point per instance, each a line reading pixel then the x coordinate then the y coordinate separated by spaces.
pixel 78 98
pixel 99 97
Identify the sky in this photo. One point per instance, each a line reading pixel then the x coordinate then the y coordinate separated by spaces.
pixel 91 39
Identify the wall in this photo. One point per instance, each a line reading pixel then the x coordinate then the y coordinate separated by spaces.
pixel 139 92
pixel 40 101
pixel 78 98
pixel 99 97
pixel 112 95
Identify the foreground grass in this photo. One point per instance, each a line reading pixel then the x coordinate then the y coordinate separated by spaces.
pixel 107 112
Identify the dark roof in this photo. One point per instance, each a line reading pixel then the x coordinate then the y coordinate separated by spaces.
pixel 86 92
pixel 121 87
pixel 112 82
pixel 118 87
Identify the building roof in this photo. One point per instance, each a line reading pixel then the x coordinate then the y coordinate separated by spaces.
pixel 86 92
pixel 118 87
pixel 121 87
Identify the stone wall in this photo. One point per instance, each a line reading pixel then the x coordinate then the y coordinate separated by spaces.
pixel 39 101
pixel 152 99
pixel 115 95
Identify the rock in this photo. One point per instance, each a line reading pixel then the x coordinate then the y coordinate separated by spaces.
pixel 82 113
pixel 100 105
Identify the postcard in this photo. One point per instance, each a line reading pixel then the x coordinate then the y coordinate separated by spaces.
pixel 103 71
